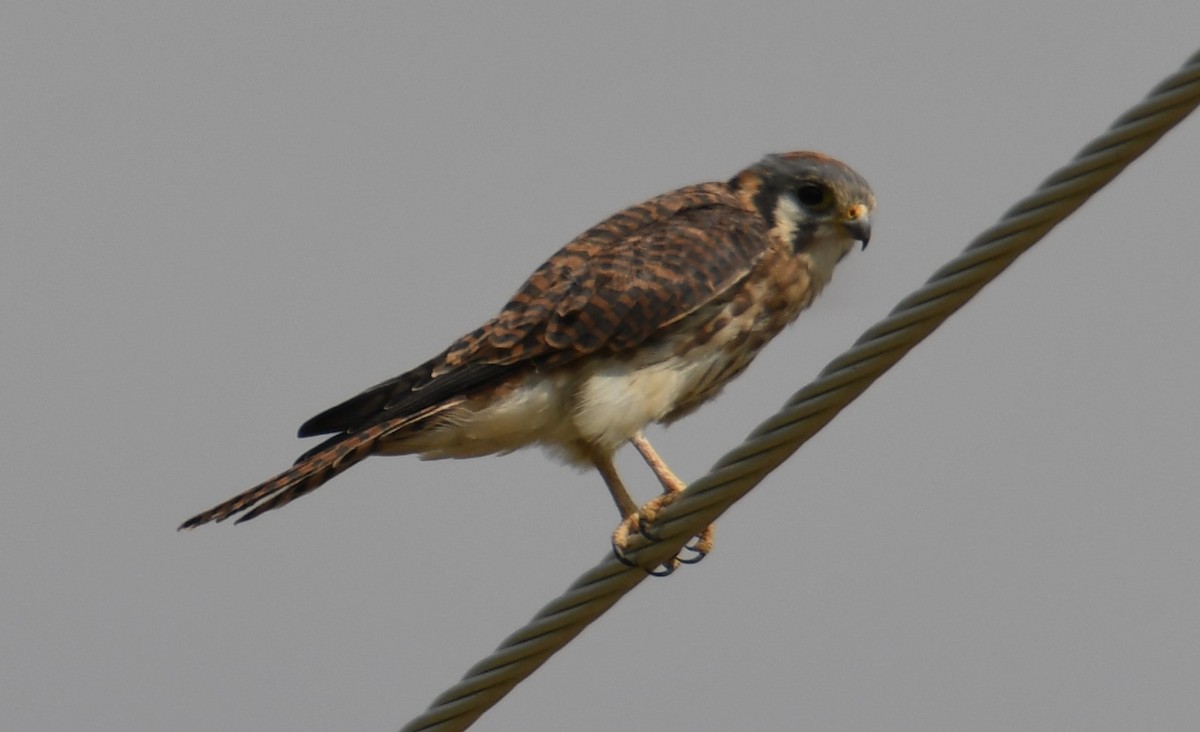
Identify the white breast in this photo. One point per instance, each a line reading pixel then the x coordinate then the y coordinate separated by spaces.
pixel 602 405
pixel 614 401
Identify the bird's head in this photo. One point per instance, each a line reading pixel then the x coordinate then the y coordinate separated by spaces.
pixel 808 198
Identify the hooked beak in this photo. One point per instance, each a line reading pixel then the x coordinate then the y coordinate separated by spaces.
pixel 858 223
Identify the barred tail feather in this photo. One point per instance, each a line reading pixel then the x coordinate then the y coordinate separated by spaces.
pixel 303 477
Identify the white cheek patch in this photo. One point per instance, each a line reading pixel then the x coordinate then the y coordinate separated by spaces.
pixel 787 217
pixel 826 248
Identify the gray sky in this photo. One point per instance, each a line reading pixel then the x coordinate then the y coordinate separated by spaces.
pixel 220 218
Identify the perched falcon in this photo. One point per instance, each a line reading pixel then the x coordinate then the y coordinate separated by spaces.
pixel 640 319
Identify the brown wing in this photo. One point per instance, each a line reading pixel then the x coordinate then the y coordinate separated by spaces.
pixel 612 288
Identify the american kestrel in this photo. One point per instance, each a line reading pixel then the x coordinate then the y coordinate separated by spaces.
pixel 640 319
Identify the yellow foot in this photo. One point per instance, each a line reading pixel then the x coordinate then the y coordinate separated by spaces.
pixel 640 523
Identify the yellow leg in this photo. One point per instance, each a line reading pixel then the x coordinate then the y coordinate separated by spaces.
pixel 630 521
pixel 670 483
pixel 620 496
pixel 673 487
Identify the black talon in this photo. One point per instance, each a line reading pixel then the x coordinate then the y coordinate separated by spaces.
pixel 620 556
pixel 667 570
pixel 695 559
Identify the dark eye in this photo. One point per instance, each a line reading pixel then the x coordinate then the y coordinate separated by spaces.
pixel 814 195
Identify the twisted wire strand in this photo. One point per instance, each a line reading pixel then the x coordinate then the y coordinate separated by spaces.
pixel 814 406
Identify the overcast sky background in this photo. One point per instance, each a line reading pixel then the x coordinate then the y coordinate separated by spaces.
pixel 220 218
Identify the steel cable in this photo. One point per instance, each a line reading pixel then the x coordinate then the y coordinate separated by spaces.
pixel 814 406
